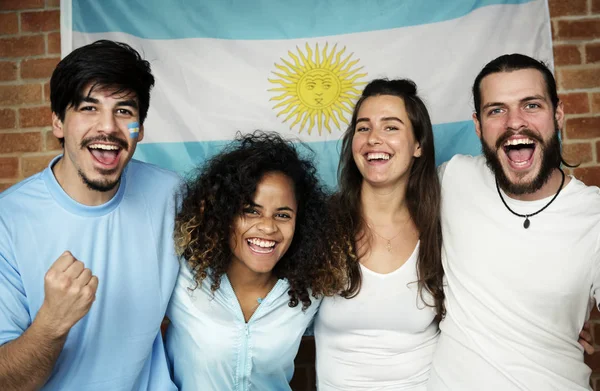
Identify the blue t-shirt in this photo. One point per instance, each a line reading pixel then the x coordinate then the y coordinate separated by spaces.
pixel 211 347
pixel 127 243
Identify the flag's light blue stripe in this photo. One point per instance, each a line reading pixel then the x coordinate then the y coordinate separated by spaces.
pixel 450 139
pixel 263 19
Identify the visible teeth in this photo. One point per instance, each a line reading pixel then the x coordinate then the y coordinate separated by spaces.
pixel 261 242
pixel 104 147
pixel 378 155
pixel 518 141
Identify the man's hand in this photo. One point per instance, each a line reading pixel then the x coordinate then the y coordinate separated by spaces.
pixel 585 338
pixel 70 290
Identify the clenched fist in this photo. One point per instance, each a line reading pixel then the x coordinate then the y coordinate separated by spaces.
pixel 70 290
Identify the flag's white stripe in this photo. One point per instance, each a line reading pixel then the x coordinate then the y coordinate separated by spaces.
pixel 207 89
pixel 66 26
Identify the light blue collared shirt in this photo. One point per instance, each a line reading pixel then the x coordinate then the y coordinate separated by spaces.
pixel 211 347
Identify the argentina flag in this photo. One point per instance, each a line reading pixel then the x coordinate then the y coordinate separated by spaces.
pixel 297 67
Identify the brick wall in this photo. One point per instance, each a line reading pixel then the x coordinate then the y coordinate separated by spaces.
pixel 30 48
pixel 29 51
pixel 576 35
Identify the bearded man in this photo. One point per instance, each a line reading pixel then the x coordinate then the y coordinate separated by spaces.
pixel 521 247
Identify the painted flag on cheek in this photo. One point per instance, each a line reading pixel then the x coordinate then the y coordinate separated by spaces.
pixel 299 67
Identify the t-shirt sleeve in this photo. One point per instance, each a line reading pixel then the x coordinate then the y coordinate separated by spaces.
pixel 14 314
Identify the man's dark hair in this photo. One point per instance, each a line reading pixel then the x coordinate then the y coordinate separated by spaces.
pixel 102 64
pixel 509 63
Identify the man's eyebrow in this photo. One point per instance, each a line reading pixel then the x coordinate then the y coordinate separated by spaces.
pixel 533 97
pixel 89 99
pixel 128 102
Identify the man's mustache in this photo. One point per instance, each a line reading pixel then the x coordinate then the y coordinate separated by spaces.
pixel 108 138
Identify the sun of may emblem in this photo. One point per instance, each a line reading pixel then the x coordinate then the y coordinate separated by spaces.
pixel 316 87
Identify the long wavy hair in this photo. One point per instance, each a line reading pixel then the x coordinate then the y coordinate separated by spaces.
pixel 216 194
pixel 422 196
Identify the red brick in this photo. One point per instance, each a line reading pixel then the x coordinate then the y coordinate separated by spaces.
pixel 595 327
pixel 47 92
pixel 586 127
pixel 35 117
pixel 30 45
pixel 18 94
pixel 593 362
pixel 54 43
pixel 567 55
pixel 596 102
pixel 574 78
pixel 8 119
pixel 13 5
pixel 8 70
pixel 52 3
pixel 576 103
pixel 9 167
pixel 39 68
pixel 34 164
pixel 40 21
pixel 51 142
pixel 596 6
pixel 592 52
pixel 591 177
pixel 598 159
pixel 588 28
pixel 4 186
pixel 564 8
pixel 578 153
pixel 20 142
pixel 9 23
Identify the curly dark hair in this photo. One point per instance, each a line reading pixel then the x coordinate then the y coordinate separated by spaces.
pixel 216 194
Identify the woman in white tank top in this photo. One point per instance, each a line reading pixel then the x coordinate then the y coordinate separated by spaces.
pixel 380 332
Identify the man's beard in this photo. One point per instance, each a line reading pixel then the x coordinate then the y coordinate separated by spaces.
pixel 551 159
pixel 101 185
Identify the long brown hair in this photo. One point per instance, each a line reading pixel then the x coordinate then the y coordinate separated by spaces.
pixel 422 196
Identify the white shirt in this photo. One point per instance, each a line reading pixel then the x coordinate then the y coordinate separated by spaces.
pixel 516 298
pixel 382 339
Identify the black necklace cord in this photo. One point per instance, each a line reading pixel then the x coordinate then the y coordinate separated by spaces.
pixel 527 223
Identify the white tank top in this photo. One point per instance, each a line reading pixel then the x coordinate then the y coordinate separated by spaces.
pixel 382 339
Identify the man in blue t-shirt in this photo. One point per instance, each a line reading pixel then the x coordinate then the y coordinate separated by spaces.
pixel 87 263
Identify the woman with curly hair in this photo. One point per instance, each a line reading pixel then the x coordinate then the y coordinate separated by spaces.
pixel 380 332
pixel 251 235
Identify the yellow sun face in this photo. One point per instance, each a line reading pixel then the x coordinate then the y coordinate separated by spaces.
pixel 317 90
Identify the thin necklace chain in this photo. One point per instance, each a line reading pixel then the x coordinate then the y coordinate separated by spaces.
pixel 388 245
pixel 527 223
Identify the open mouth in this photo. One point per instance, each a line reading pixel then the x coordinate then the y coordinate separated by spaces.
pixel 519 151
pixel 261 246
pixel 107 154
pixel 378 156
